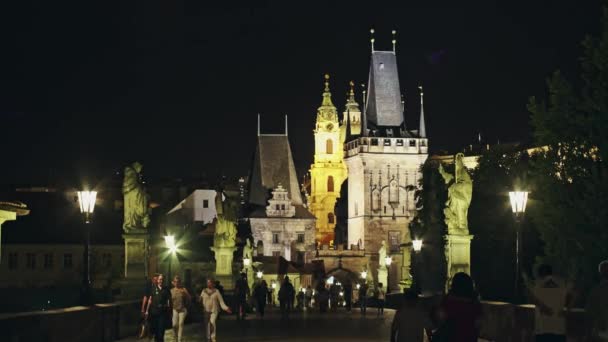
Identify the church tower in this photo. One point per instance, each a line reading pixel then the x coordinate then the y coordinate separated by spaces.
pixel 384 162
pixel 328 170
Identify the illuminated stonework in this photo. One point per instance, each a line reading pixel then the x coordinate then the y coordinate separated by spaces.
pixel 328 170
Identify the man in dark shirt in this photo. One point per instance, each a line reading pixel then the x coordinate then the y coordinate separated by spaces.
pixel 158 306
pixel 241 291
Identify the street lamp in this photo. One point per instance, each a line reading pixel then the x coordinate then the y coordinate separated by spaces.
pixel 86 200
pixel 364 275
pixel 388 261
pixel 246 262
pixel 259 274
pixel 172 247
pixel 417 245
pixel 519 200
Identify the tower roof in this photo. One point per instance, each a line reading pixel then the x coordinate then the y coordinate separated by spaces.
pixel 273 165
pixel 327 111
pixel 384 95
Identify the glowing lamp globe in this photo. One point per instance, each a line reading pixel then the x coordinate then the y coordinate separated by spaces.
pixel 170 243
pixel 417 245
pixel 259 274
pixel 86 200
pixel 246 261
pixel 364 275
pixel 519 199
pixel 388 260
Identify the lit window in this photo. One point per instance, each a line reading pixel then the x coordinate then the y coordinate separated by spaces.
pixel 329 146
pixel 330 184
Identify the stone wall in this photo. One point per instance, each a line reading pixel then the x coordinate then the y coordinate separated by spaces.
pixel 98 323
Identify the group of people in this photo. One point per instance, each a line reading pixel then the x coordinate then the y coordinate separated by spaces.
pixel 159 302
pixel 458 316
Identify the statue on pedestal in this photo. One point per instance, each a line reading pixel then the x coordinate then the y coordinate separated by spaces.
pixel 382 255
pixel 460 190
pixel 225 225
pixel 136 209
pixel 248 251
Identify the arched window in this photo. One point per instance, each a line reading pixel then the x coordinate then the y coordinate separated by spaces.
pixel 330 218
pixel 330 184
pixel 329 146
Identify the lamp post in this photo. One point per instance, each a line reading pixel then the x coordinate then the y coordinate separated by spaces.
pixel 86 200
pixel 172 248
pixel 518 199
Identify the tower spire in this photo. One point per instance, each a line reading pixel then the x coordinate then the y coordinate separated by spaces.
pixel 327 111
pixel 422 128
pixel 364 118
pixel 258 124
pixel 394 41
pixel 285 124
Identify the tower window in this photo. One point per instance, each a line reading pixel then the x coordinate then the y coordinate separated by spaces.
pixel 399 142
pixel 374 142
pixel 412 143
pixel 329 146
pixel 330 184
pixel 387 142
pixel 330 218
pixel 301 238
pixel 275 238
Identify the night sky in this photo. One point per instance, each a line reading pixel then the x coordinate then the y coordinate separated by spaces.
pixel 87 86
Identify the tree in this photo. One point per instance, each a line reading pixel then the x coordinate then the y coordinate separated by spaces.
pixel 570 175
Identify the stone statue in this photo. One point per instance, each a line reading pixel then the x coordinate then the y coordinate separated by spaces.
pixel 460 190
pixel 382 254
pixel 225 225
pixel 248 251
pixel 136 209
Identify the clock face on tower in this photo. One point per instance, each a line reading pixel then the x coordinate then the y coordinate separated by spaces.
pixel 329 126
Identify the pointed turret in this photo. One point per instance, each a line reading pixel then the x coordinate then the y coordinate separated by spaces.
pixel 327 111
pixel 422 127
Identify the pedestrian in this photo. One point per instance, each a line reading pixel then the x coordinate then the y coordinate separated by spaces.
pixel 322 298
pixel 158 308
pixel 460 310
pixel 363 298
pixel 286 297
pixel 381 297
pixel 180 300
pixel 145 322
pixel 597 307
pixel 550 295
pixel 348 294
pixel 308 297
pixel 410 322
pixel 259 293
pixel 241 292
pixel 212 302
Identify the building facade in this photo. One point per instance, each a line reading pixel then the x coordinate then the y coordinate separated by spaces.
pixel 280 224
pixel 383 163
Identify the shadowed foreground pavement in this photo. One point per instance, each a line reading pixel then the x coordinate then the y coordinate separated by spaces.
pixel 303 326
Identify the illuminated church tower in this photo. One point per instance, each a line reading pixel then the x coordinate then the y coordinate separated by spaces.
pixel 384 162
pixel 328 170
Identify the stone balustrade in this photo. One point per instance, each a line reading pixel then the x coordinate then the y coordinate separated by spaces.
pixel 100 322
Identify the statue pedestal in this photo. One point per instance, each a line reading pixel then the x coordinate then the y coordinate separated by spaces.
pixel 137 242
pixel 383 276
pixel 223 265
pixel 457 254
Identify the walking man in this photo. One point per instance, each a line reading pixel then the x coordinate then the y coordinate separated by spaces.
pixel 259 293
pixel 597 307
pixel 212 303
pixel 157 309
pixel 381 299
pixel 286 297
pixel 363 298
pixel 241 292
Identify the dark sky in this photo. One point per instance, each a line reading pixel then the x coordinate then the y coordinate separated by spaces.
pixel 86 86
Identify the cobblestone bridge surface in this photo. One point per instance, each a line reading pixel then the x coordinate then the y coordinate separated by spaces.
pixel 302 326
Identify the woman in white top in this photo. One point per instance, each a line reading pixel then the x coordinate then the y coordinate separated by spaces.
pixel 212 301
pixel 180 298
